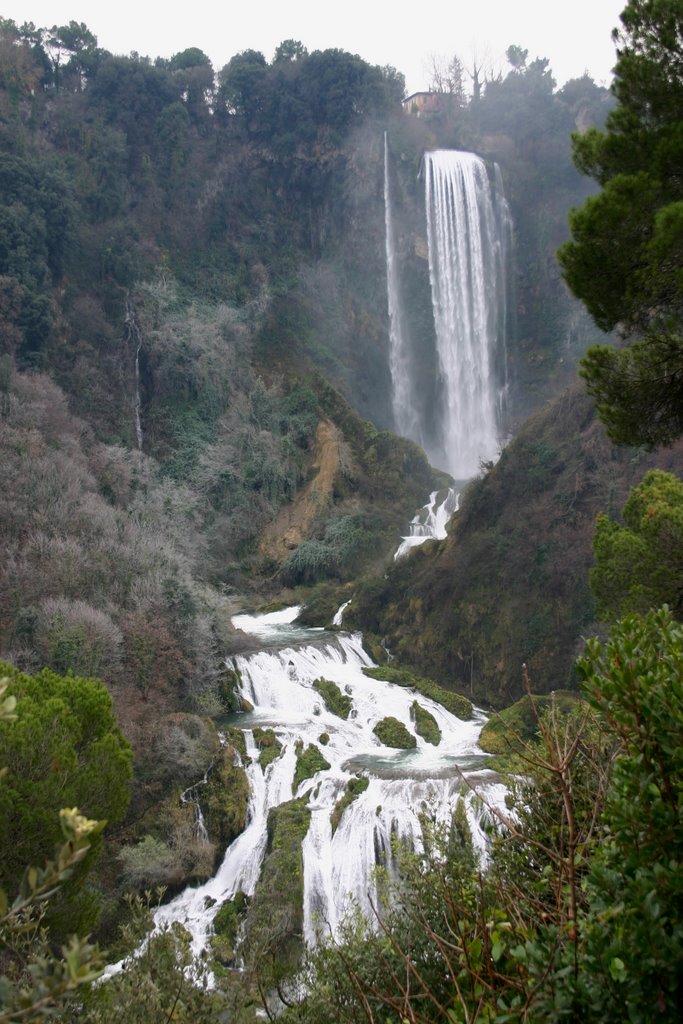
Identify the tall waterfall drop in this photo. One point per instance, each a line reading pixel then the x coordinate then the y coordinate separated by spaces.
pixel 467 228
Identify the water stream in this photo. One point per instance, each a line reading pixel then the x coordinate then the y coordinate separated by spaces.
pixel 404 785
pixel 431 521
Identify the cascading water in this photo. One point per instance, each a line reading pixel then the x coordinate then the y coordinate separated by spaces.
pixel 431 521
pixel 467 230
pixel 404 786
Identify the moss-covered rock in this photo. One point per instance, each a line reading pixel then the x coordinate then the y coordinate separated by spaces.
pixel 308 762
pixel 458 705
pixel 354 788
pixel 336 702
pixel 229 689
pixel 226 925
pixel 236 737
pixel 275 918
pixel 393 733
pixel 269 746
pixel 425 724
pixel 224 799
pixel 324 738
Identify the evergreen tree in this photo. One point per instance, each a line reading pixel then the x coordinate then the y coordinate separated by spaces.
pixel 625 258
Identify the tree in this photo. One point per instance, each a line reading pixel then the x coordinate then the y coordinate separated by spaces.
pixel 639 565
pixel 290 50
pixel 240 83
pixel 76 42
pixel 447 76
pixel 624 260
pixel 37 981
pixel 632 935
pixel 65 749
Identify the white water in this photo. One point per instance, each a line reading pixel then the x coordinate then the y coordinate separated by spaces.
pixel 467 227
pixel 338 870
pixel 430 522
pixel 339 614
pixel 406 416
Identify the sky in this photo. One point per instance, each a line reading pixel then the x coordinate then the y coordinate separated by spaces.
pixel 575 37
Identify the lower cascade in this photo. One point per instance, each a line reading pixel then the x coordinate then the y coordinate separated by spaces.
pixel 431 521
pixel 404 786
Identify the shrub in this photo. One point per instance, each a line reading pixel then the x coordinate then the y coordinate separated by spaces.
pixel 425 724
pixel 459 706
pixel 354 788
pixel 308 762
pixel 336 702
pixel 392 733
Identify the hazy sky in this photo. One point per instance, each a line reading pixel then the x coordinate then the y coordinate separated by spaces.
pixel 575 37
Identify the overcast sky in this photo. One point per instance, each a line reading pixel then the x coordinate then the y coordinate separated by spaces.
pixel 575 37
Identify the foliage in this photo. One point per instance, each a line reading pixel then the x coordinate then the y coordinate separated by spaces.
pixel 639 565
pixel 624 260
pixel 354 787
pixel 65 748
pixel 509 731
pixel 393 733
pixel 37 982
pixel 529 524
pixel 269 746
pixel 226 925
pixel 225 799
pixel 308 762
pixel 459 706
pixel 632 960
pixel 425 724
pixel 154 983
pixel 578 914
pixel 274 923
pixel 335 701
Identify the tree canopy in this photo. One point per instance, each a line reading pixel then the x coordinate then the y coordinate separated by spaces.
pixel 639 565
pixel 65 749
pixel 624 260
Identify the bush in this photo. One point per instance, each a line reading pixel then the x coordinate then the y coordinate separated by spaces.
pixel 148 864
pixel 336 702
pixel 308 762
pixel 269 746
pixel 459 706
pixel 393 733
pixel 425 724
pixel 354 788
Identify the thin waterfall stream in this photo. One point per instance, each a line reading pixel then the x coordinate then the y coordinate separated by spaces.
pixel 403 787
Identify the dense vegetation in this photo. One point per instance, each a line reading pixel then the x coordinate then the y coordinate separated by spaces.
pixel 192 328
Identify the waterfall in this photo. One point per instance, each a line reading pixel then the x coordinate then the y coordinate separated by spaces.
pixel 467 231
pixel 406 416
pixel 431 521
pixel 403 786
pixel 134 335
pixel 339 614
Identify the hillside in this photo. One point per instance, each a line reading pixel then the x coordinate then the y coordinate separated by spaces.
pixel 510 584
